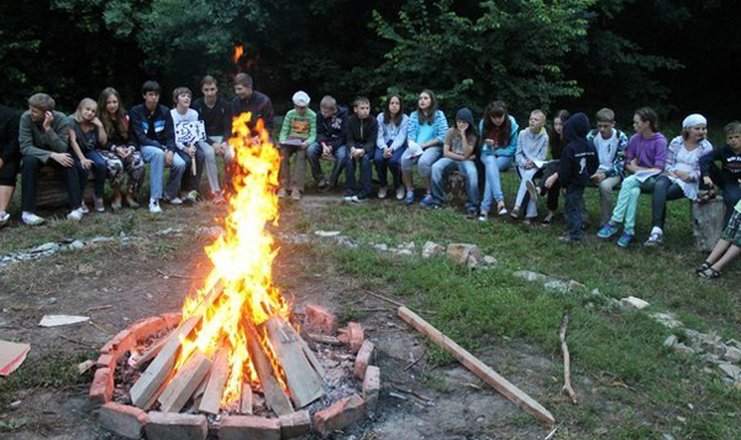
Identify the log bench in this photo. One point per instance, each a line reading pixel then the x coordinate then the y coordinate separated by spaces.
pixel 52 192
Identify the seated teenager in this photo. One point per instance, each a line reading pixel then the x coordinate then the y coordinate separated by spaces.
pixel 532 144
pixel 391 144
pixel 43 136
pixel 116 124
pixel 681 174
pixel 330 142
pixel 190 142
pixel 458 153
pixel 361 135
pixel 296 134
pixel 610 144
pixel 728 176
pixel 644 160
pixel 152 132
pixel 10 159
pixel 498 145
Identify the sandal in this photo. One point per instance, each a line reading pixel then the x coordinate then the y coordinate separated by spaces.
pixel 703 267
pixel 709 274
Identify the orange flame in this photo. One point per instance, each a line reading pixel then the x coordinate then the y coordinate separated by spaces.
pixel 242 258
pixel 238 52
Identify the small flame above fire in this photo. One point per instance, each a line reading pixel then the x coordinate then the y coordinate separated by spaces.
pixel 242 258
pixel 238 52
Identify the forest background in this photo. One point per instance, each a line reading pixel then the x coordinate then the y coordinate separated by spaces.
pixel 676 56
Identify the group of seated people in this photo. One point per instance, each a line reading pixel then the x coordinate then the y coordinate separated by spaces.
pixel 103 139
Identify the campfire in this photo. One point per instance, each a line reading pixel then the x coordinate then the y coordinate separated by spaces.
pixel 233 349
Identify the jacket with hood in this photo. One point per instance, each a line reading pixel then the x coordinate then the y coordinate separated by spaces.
pixel 650 153
pixel 578 158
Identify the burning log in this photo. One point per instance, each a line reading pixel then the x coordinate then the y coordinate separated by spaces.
pixel 275 397
pixel 184 383
pixel 211 401
pixel 245 405
pixel 154 377
pixel 303 380
pixel 484 372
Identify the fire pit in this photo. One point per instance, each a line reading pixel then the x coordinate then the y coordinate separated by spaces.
pixel 233 361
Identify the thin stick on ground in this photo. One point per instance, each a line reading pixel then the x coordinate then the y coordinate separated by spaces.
pixel 566 360
pixel 172 275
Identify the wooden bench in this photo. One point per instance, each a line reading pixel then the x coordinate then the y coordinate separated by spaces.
pixel 52 192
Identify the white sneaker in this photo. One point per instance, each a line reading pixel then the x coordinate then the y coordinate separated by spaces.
pixel 84 208
pixel 154 206
pixel 32 219
pixel 175 201
pixel 4 217
pixel 383 192
pixel 75 215
pixel 400 193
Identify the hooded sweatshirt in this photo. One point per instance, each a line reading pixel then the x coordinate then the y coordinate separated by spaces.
pixel 578 158
pixel 651 152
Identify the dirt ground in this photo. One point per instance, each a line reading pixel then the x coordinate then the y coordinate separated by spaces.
pixel 417 402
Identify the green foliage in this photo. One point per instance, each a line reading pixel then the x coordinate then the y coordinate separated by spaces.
pixel 509 50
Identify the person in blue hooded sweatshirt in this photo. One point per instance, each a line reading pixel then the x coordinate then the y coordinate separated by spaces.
pixel 578 163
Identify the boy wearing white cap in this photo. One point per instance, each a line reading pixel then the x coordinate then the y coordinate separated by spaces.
pixel 681 174
pixel 296 134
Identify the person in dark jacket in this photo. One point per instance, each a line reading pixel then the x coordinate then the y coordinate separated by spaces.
pixel 330 142
pixel 153 133
pixel 728 176
pixel 362 134
pixel 578 163
pixel 249 100
pixel 10 158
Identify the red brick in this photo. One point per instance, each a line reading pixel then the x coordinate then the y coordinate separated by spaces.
pixel 295 424
pixel 106 361
pixel 249 427
pixel 176 426
pixel 122 342
pixel 340 415
pixel 371 388
pixel 172 319
pixel 146 327
pixel 101 389
pixel 355 335
pixel 320 319
pixel 124 420
pixel 363 359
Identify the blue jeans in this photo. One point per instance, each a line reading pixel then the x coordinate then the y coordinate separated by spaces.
pixel 392 163
pixel 314 154
pixel 99 170
pixel 440 170
pixel 573 207
pixel 493 183
pixel 155 157
pixel 424 162
pixel 352 186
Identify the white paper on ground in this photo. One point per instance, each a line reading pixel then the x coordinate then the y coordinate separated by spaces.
pixel 12 355
pixel 57 320
pixel 327 233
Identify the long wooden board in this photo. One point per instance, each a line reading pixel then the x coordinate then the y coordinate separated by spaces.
pixel 303 380
pixel 185 382
pixel 211 400
pixel 483 371
pixel 275 397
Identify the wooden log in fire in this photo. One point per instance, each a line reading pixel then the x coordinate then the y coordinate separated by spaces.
pixel 145 390
pixel 185 382
pixel 303 379
pixel 275 397
pixel 245 405
pixel 483 371
pixel 211 401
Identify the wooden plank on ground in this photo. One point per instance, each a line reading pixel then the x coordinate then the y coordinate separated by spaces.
pixel 311 357
pixel 153 350
pixel 245 404
pixel 143 391
pixel 483 371
pixel 211 401
pixel 275 397
pixel 185 382
pixel 303 380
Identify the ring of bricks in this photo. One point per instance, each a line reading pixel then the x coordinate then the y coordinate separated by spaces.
pixel 131 422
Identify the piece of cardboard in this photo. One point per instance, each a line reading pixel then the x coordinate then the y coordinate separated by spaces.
pixel 57 320
pixel 12 355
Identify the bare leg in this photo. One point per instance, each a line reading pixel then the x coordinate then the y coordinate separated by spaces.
pixel 732 253
pixel 6 194
pixel 720 248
